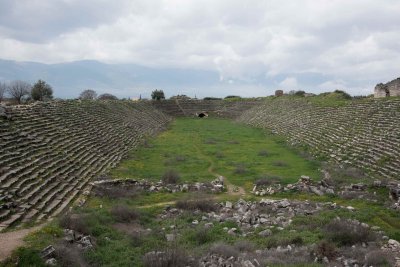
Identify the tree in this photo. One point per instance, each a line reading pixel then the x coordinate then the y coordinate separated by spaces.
pixel 41 91
pixel 88 94
pixel 3 88
pixel 18 89
pixel 157 94
pixel 107 97
pixel 300 93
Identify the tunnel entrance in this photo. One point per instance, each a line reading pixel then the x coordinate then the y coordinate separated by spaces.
pixel 202 114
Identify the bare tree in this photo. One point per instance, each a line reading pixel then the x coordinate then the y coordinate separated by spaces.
pixel 18 89
pixel 3 88
pixel 88 94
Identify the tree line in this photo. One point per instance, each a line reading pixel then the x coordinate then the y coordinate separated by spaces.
pixel 21 91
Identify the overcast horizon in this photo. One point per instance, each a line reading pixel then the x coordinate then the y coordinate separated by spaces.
pixel 254 47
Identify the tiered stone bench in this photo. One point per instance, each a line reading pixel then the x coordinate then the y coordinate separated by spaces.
pixel 220 108
pixel 364 133
pixel 50 151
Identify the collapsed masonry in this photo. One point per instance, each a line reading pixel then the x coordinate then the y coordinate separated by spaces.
pixel 391 88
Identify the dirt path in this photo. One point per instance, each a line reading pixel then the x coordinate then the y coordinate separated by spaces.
pixel 10 241
pixel 231 189
pixel 159 204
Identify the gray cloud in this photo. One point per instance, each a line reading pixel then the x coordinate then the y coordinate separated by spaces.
pixel 349 43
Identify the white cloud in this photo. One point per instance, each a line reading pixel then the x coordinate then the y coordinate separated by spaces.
pixel 290 83
pixel 355 41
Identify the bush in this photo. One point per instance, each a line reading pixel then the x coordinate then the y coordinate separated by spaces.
pixel 224 250
pixel 204 205
pixel 244 246
pixel 171 177
pixel 114 191
pixel 279 163
pixel 348 232
pixel 76 222
pixel 268 180
pixel 107 96
pixel 202 236
pixel 41 91
pixel 212 98
pixel 219 155
pixel 263 153
pixel 326 249
pixel 88 94
pixel 25 257
pixel 68 255
pixel 157 95
pixel 240 169
pixel 343 94
pixel 379 258
pixel 124 214
pixel 299 93
pixel 172 257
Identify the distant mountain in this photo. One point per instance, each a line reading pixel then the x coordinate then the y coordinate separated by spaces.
pixel 123 80
pixel 132 80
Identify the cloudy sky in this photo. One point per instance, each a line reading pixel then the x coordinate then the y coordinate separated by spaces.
pixel 314 45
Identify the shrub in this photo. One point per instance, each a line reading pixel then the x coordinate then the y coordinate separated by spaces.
pixel 41 91
pixel 268 180
pixel 157 95
pixel 240 169
pixel 279 163
pixel 212 98
pixel 88 94
pixel 180 158
pixel 171 177
pixel 348 232
pixel 263 153
pixel 219 154
pixel 210 141
pixel 224 250
pixel 25 257
pixel 76 222
pixel 107 96
pixel 68 255
pixel 326 249
pixel 202 236
pixel 136 238
pixel 343 94
pixel 172 257
pixel 114 191
pixel 300 93
pixel 379 258
pixel 244 246
pixel 124 214
pixel 204 205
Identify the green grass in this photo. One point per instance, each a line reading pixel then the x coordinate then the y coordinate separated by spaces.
pixel 192 146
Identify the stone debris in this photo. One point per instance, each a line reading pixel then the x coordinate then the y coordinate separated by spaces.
pixel 215 186
pixel 304 184
pixel 251 215
pixel 47 252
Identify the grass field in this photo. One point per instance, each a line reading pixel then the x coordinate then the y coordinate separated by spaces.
pixel 197 148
